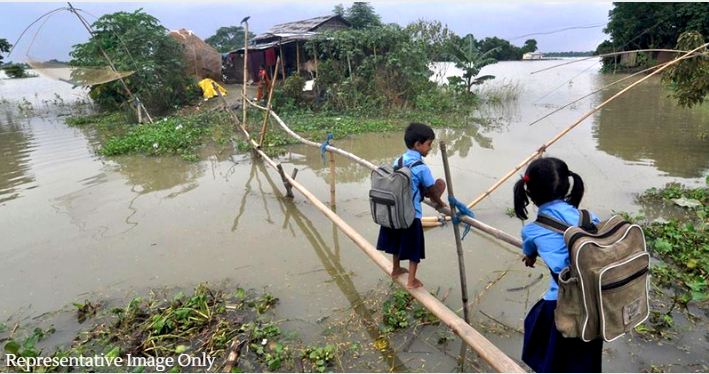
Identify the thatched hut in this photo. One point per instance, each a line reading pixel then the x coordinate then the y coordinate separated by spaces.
pixel 285 40
pixel 202 60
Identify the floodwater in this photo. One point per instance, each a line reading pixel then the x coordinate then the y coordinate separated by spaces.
pixel 75 225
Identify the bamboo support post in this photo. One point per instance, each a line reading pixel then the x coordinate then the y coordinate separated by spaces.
pixel 456 234
pixel 266 116
pixel 289 187
pixel 297 57
pixel 487 351
pixel 553 140
pixel 246 72
pixel 332 179
pixel 283 66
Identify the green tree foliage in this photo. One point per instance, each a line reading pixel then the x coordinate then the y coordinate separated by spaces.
pixel 228 38
pixel 467 57
pixel 530 45
pixel 4 47
pixel 372 68
pixel 650 25
pixel 434 37
pixel 655 25
pixel 136 41
pixel 689 79
pixel 15 71
pixel 504 50
pixel 339 10
pixel 362 15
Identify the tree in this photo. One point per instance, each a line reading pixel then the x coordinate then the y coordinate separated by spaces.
pixel 136 42
pixel 530 45
pixel 689 78
pixel 339 10
pixel 15 71
pixel 651 25
pixel 504 51
pixel 467 57
pixel 4 47
pixel 362 15
pixel 434 38
pixel 228 38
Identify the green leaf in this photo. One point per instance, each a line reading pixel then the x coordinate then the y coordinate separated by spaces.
pixel 114 352
pixel 662 246
pixel 12 347
pixel 180 349
pixel 687 203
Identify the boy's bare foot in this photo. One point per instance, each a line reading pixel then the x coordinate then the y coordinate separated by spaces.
pixel 416 284
pixel 398 271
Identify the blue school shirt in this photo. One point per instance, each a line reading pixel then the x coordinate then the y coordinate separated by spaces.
pixel 421 176
pixel 537 240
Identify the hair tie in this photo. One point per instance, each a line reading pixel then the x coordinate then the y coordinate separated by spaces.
pixel 525 178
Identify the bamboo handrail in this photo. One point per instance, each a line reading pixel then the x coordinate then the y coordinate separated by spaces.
pixel 487 351
pixel 553 140
pixel 426 221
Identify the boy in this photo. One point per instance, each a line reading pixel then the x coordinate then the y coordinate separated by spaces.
pixel 408 244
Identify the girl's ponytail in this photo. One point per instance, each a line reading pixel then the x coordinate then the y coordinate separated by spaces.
pixel 576 194
pixel 521 201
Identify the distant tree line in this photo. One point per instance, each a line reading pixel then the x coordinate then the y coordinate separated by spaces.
pixel 569 54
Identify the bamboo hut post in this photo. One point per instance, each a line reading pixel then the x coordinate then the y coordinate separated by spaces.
pixel 297 57
pixel 456 233
pixel 283 66
pixel 267 114
pixel 332 179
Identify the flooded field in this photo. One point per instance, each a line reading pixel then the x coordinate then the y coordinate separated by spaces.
pixel 78 226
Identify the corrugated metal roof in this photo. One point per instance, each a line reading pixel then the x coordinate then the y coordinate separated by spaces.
pixel 300 26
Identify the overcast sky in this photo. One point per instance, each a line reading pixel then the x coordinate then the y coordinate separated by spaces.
pixel 508 20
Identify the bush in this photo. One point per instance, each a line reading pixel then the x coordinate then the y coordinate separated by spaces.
pixel 15 71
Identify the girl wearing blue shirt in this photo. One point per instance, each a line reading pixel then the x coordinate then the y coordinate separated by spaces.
pixel 547 183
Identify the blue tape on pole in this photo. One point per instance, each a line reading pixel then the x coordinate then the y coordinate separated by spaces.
pixel 461 210
pixel 323 146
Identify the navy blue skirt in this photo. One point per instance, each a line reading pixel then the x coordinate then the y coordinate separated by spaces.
pixel 545 350
pixel 407 243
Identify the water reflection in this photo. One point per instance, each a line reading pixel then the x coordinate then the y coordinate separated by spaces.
pixel 16 145
pixel 148 174
pixel 647 125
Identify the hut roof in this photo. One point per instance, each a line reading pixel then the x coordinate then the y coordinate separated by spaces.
pixel 303 25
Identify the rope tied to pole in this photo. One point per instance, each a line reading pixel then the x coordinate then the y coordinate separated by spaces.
pixel 323 146
pixel 461 210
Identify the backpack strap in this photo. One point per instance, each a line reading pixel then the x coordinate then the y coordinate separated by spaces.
pixel 551 224
pixel 585 221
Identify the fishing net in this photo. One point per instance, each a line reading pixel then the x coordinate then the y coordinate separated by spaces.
pixel 202 60
pixel 74 75
pixel 41 44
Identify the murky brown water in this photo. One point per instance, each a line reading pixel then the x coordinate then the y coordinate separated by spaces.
pixel 77 226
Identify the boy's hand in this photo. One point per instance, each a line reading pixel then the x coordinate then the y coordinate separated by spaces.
pixel 529 261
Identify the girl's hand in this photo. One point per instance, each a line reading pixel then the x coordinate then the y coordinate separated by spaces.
pixel 529 261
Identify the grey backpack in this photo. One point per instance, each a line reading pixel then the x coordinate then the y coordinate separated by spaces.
pixel 390 197
pixel 603 293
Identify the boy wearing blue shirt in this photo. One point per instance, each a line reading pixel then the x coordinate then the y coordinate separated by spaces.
pixel 408 244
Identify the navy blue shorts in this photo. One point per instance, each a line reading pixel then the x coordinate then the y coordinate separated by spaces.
pixel 545 350
pixel 407 243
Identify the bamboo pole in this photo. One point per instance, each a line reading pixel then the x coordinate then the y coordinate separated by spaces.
pixel 456 234
pixel 283 65
pixel 297 57
pixel 332 179
pixel 488 351
pixel 553 140
pixel 608 55
pixel 246 71
pixel 262 134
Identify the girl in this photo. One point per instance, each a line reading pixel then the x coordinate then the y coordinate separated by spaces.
pixel 547 183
